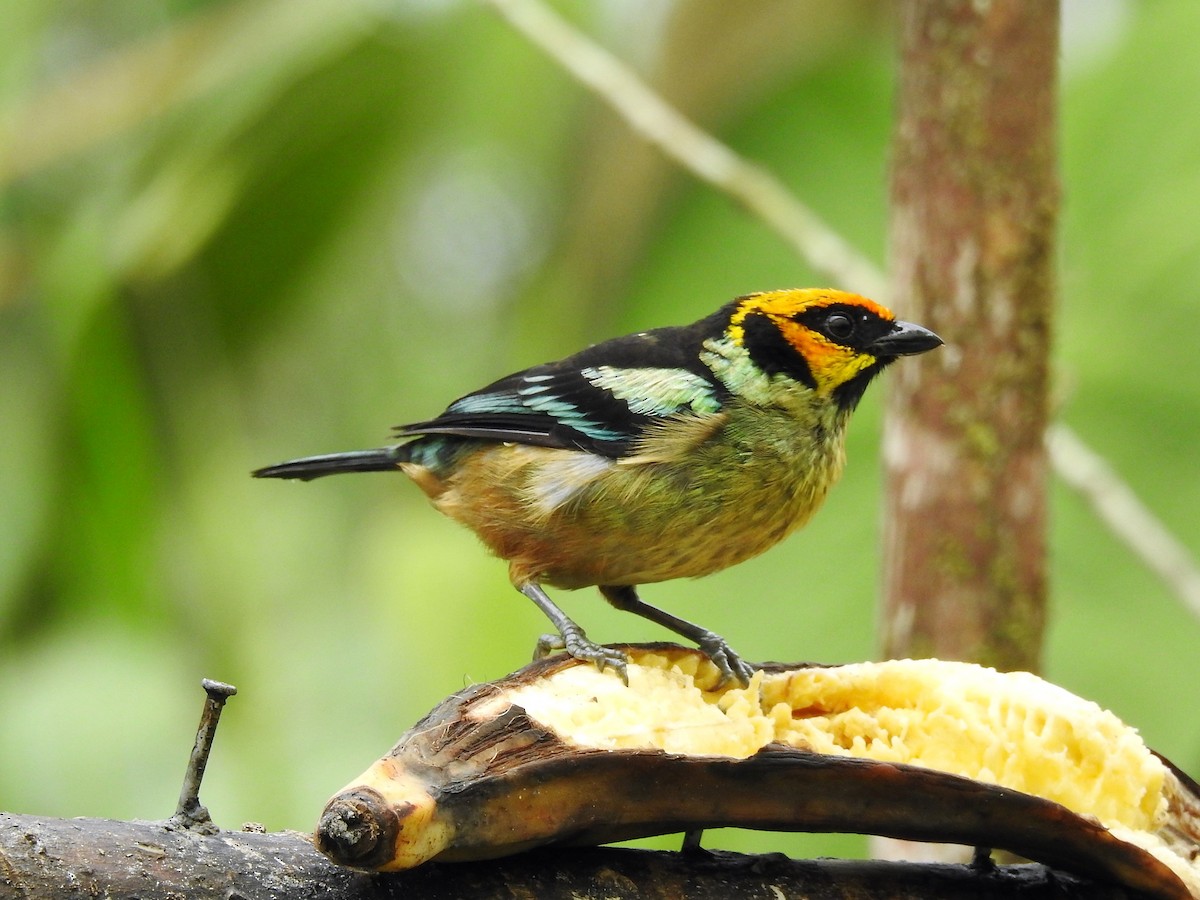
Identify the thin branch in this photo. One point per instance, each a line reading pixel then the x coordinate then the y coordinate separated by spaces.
pixel 769 199
pixel 693 148
pixel 1118 507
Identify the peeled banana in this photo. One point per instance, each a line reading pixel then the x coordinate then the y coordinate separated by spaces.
pixel 562 753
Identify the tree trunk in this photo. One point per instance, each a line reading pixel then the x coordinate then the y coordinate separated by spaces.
pixel 974 210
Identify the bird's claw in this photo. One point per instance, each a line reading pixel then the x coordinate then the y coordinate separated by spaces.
pixel 546 645
pixel 581 647
pixel 731 666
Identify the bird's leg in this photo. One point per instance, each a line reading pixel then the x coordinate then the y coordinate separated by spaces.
pixel 732 666
pixel 574 641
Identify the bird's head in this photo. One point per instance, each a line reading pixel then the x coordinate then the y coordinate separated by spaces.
pixel 831 341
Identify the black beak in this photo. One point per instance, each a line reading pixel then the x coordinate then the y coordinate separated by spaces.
pixel 905 339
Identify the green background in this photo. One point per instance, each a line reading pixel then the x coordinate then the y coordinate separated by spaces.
pixel 236 232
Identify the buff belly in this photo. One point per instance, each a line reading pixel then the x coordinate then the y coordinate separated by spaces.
pixel 572 519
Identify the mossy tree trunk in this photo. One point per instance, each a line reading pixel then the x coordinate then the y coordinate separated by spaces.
pixel 974 211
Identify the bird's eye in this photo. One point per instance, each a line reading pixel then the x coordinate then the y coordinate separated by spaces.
pixel 839 327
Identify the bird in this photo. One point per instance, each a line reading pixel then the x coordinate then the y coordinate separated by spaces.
pixel 669 453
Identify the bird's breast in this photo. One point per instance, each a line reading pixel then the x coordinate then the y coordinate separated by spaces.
pixel 572 519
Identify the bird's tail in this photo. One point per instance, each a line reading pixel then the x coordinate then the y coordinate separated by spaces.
pixel 384 459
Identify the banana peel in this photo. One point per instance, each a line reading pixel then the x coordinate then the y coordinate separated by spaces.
pixel 561 753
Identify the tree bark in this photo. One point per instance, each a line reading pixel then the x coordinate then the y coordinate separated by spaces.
pixel 974 211
pixel 47 859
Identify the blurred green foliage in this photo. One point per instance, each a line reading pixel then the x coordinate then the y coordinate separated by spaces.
pixel 237 231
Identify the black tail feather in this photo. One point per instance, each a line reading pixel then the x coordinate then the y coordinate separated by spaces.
pixel 383 460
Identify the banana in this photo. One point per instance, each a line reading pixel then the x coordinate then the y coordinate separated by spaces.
pixel 562 753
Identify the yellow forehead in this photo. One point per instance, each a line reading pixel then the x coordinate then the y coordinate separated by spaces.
pixel 786 304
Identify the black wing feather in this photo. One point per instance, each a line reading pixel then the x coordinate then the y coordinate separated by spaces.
pixel 555 405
